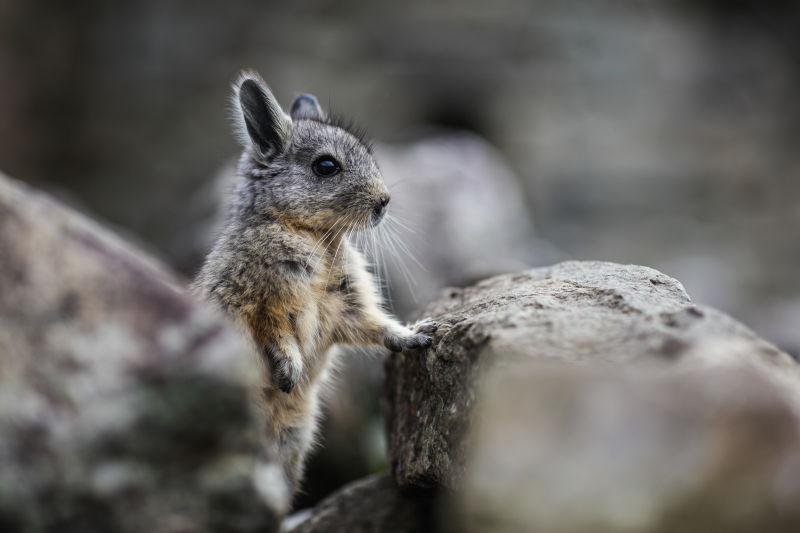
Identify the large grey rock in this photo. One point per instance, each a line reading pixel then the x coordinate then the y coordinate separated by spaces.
pixel 608 449
pixel 124 404
pixel 574 312
pixel 371 505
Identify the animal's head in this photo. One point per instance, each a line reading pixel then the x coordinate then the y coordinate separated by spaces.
pixel 302 167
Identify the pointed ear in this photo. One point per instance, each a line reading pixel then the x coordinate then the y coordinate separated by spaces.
pixel 306 106
pixel 261 121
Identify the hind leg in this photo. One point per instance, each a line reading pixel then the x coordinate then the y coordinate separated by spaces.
pixel 293 446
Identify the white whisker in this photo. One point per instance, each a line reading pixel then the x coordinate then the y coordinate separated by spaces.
pixel 341 236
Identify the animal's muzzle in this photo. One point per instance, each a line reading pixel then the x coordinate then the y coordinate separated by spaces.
pixel 380 209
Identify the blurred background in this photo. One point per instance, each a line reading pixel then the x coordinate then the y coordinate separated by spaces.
pixel 514 133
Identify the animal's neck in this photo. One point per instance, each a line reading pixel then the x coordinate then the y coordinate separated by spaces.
pixel 329 238
pixel 335 249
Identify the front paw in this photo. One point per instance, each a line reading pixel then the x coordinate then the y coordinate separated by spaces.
pixel 396 343
pixel 425 326
pixel 412 341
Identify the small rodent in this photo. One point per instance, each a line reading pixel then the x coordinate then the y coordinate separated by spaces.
pixel 283 267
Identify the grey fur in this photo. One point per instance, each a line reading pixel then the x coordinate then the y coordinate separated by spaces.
pixel 283 267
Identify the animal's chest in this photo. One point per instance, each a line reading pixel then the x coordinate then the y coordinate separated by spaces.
pixel 340 295
pixel 337 296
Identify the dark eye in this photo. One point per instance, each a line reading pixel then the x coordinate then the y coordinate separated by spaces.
pixel 326 166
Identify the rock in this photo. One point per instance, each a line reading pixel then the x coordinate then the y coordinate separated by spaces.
pixel 124 404
pixel 371 505
pixel 601 449
pixel 574 312
pixel 778 322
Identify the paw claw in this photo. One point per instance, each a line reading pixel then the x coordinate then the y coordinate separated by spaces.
pixel 412 342
pixel 426 326
pixel 425 341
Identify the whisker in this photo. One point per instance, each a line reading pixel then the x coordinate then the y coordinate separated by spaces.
pixel 404 270
pixel 385 270
pixel 394 184
pixel 341 236
pixel 328 243
pixel 316 245
pixel 407 252
pixel 395 220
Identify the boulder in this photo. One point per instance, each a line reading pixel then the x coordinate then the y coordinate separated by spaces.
pixel 124 404
pixel 608 449
pixel 574 312
pixel 370 505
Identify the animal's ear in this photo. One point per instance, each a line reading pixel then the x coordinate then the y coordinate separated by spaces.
pixel 262 123
pixel 306 106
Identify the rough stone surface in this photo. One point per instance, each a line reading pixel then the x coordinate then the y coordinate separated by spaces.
pixel 594 449
pixel 576 312
pixel 124 404
pixel 371 505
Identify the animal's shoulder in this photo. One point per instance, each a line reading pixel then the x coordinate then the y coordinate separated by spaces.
pixel 273 244
pixel 263 254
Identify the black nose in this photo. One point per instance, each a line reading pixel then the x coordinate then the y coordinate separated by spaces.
pixel 380 207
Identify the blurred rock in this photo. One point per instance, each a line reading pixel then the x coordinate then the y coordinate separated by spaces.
pixel 371 505
pixel 600 449
pixel 576 312
pixel 204 210
pixel 779 322
pixel 124 404
pixel 458 207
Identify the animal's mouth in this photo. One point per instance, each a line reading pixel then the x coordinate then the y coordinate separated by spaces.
pixel 377 215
